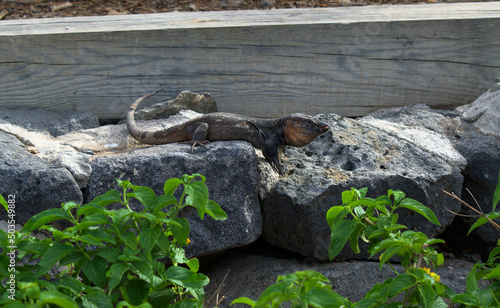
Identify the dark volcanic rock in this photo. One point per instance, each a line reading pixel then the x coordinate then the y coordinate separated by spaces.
pixel 231 174
pixel 250 274
pixel 36 184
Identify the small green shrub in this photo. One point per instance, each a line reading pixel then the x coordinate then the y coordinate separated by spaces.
pixel 374 221
pixel 110 258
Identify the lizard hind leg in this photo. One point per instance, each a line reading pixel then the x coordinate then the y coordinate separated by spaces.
pixel 198 133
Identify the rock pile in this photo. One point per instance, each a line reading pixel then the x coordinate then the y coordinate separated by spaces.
pixel 51 158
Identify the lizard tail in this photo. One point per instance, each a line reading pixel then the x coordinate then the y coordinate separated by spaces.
pixel 132 128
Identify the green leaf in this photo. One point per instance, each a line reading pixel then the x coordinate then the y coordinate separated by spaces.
pixel 398 196
pixel 70 283
pixel 186 278
pixel 136 291
pixel 161 298
pixel 111 254
pixel 383 245
pixel 45 217
pixel 115 274
pixel 181 234
pixel 354 238
pixel 148 238
pixel 494 274
pixel 494 253
pixel 244 300
pixel 4 203
pixel 164 243
pixel 349 196
pixel 427 293
pixel 197 196
pixel 323 298
pixel 471 283
pixel 55 253
pixel 384 201
pixel 34 245
pixel 89 209
pixel 335 214
pixel 96 300
pixel 215 211
pixel 482 220
pixel 145 195
pixel 193 264
pixel 340 234
pixel 388 253
pixel 90 240
pixel 91 220
pixel 465 299
pixel 56 298
pixel 102 236
pixel 496 194
pixel 124 184
pixel 399 284
pixel 129 239
pixel 95 270
pixel 171 185
pixel 187 303
pixel 143 270
pixel 418 207
pixel 162 202
pixel 107 198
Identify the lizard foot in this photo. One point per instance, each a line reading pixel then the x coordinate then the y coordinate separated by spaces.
pixel 195 143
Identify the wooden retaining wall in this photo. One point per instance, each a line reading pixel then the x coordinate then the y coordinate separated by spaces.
pixel 348 61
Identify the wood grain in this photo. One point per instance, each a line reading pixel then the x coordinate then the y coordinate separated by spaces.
pixel 349 61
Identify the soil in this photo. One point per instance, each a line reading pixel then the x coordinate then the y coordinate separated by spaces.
pixel 23 9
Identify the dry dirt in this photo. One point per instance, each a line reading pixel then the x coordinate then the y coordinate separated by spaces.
pixel 19 9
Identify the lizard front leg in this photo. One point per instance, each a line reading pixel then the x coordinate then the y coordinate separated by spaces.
pixel 270 152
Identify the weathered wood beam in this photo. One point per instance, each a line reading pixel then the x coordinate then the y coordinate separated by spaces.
pixel 348 61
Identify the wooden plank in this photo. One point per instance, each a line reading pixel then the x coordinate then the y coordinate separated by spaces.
pixel 348 61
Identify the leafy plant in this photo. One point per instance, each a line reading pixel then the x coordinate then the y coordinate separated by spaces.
pixel 474 296
pixel 112 258
pixel 301 289
pixel 374 221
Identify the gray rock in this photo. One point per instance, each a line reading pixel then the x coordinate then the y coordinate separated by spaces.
pixel 77 163
pixel 55 123
pixel 357 154
pixel 481 174
pixel 186 100
pixel 231 173
pixel 481 151
pixel 484 112
pixel 53 151
pixel 250 274
pixel 36 184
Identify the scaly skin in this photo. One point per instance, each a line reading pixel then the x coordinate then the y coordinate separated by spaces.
pixel 268 135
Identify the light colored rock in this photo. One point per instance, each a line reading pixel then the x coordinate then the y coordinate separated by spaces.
pixel 37 184
pixel 53 151
pixel 480 150
pixel 53 123
pixel 484 112
pixel 356 154
pixel 421 137
pixel 186 100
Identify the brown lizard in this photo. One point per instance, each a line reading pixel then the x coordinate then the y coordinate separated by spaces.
pixel 268 135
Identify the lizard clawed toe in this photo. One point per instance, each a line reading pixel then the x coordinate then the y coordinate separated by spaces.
pixel 195 143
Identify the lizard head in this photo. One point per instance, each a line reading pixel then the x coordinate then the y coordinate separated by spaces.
pixel 301 129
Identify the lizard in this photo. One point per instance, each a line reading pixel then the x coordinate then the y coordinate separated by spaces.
pixel 267 135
